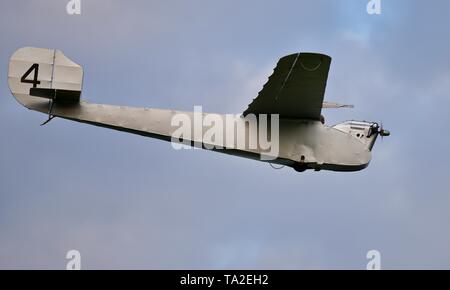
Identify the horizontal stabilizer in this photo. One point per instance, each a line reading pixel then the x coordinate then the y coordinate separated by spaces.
pixel 58 95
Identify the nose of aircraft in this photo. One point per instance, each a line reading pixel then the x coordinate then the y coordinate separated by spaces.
pixel 385 133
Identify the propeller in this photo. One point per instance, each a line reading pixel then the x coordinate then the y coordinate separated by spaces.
pixel 379 129
pixel 383 133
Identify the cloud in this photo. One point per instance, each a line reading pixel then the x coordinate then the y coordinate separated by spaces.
pixel 130 202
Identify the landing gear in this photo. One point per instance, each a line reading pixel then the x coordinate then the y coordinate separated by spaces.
pixel 300 167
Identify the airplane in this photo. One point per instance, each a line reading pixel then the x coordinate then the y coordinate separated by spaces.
pixel 46 81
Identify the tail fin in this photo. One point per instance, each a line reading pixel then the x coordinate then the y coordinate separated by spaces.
pixel 37 75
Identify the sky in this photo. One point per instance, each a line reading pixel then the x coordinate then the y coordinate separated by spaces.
pixel 128 202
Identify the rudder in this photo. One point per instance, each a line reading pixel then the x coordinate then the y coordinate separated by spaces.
pixel 37 74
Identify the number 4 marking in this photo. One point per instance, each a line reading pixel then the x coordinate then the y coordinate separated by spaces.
pixel 35 81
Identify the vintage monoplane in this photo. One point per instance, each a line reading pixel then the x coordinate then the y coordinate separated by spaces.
pixel 45 80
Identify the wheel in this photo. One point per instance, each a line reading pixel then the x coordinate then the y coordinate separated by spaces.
pixel 299 167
